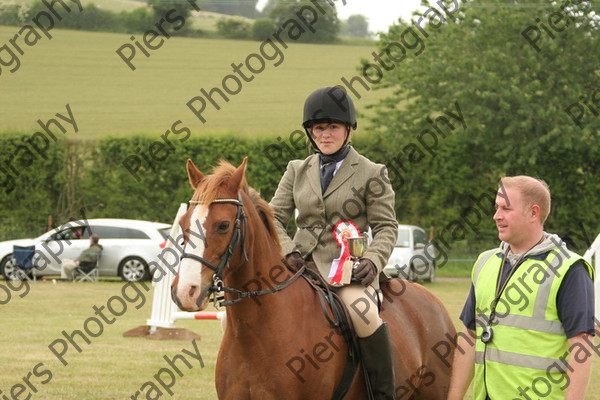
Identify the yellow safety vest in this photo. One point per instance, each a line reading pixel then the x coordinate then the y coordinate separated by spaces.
pixel 526 355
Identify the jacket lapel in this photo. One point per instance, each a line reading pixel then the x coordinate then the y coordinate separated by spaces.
pixel 347 169
pixel 314 176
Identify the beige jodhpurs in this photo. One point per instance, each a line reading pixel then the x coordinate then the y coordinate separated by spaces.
pixel 361 303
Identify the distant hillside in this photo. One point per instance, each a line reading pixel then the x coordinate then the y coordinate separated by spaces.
pixel 204 20
pixel 82 69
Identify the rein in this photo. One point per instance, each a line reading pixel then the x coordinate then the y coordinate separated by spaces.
pixel 242 295
pixel 238 238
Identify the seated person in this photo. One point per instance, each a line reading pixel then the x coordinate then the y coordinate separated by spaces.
pixel 78 233
pixel 88 256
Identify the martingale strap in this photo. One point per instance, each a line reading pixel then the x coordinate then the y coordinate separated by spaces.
pixel 242 295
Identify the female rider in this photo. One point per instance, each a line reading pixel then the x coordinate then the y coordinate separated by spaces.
pixel 338 184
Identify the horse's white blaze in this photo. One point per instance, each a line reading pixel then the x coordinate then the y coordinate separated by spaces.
pixel 189 269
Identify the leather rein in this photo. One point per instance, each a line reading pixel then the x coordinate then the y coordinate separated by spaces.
pixel 237 239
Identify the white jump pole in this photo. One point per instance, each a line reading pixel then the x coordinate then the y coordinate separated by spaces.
pixel 163 306
pixel 199 315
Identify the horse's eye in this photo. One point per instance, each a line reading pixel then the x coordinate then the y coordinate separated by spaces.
pixel 223 227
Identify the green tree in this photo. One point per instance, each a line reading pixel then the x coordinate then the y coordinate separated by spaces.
pixel 244 8
pixel 262 29
pixel 326 27
pixel 513 98
pixel 139 20
pixel 9 14
pixel 91 18
pixel 357 26
pixel 182 8
pixel 162 7
pixel 233 28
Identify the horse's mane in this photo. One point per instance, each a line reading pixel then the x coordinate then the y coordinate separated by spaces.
pixel 265 212
pixel 206 193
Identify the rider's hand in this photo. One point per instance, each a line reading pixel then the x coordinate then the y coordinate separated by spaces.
pixel 294 259
pixel 365 271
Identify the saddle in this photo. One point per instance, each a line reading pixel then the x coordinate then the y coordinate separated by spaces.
pixel 337 315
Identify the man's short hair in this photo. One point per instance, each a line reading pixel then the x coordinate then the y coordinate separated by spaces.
pixel 95 239
pixel 533 190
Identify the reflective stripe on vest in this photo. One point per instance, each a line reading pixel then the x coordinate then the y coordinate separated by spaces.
pixel 518 360
pixel 529 345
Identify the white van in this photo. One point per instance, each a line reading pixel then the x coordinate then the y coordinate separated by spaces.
pixel 413 257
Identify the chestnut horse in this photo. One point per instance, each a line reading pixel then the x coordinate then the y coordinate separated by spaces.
pixel 278 344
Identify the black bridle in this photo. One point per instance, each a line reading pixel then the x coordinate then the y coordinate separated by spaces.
pixel 238 238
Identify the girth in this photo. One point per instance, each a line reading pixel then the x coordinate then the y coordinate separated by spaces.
pixel 339 319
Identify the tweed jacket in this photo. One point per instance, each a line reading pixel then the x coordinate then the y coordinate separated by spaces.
pixel 360 192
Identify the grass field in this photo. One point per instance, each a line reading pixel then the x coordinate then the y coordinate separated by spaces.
pixel 114 367
pixel 82 69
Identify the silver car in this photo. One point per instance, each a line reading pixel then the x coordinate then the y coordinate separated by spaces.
pixel 413 257
pixel 129 246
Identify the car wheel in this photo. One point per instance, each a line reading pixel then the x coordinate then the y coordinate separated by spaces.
pixel 7 268
pixel 431 277
pixel 133 269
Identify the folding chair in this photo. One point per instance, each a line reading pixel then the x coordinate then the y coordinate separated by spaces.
pixel 87 271
pixel 23 263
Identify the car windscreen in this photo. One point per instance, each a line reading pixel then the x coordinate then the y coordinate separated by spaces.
pixel 403 238
pixel 71 233
pixel 113 232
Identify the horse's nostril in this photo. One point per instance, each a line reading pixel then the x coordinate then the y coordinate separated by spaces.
pixel 192 290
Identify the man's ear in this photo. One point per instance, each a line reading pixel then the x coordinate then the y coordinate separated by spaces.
pixel 534 212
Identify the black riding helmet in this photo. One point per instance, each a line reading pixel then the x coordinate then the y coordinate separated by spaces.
pixel 331 105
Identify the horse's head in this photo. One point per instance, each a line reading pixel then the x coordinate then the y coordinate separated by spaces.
pixel 212 233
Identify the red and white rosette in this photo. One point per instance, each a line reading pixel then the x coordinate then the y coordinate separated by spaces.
pixel 341 231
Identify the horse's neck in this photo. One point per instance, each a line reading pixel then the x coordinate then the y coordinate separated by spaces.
pixel 260 275
pixel 252 318
pixel 264 271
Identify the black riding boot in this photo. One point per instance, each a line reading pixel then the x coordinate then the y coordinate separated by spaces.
pixel 377 358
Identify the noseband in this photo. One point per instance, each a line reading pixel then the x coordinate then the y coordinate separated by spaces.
pixel 237 238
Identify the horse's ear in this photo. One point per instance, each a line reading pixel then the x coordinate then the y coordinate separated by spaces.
pixel 194 174
pixel 237 178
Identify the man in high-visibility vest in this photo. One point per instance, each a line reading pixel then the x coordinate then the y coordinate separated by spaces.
pixel 529 317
